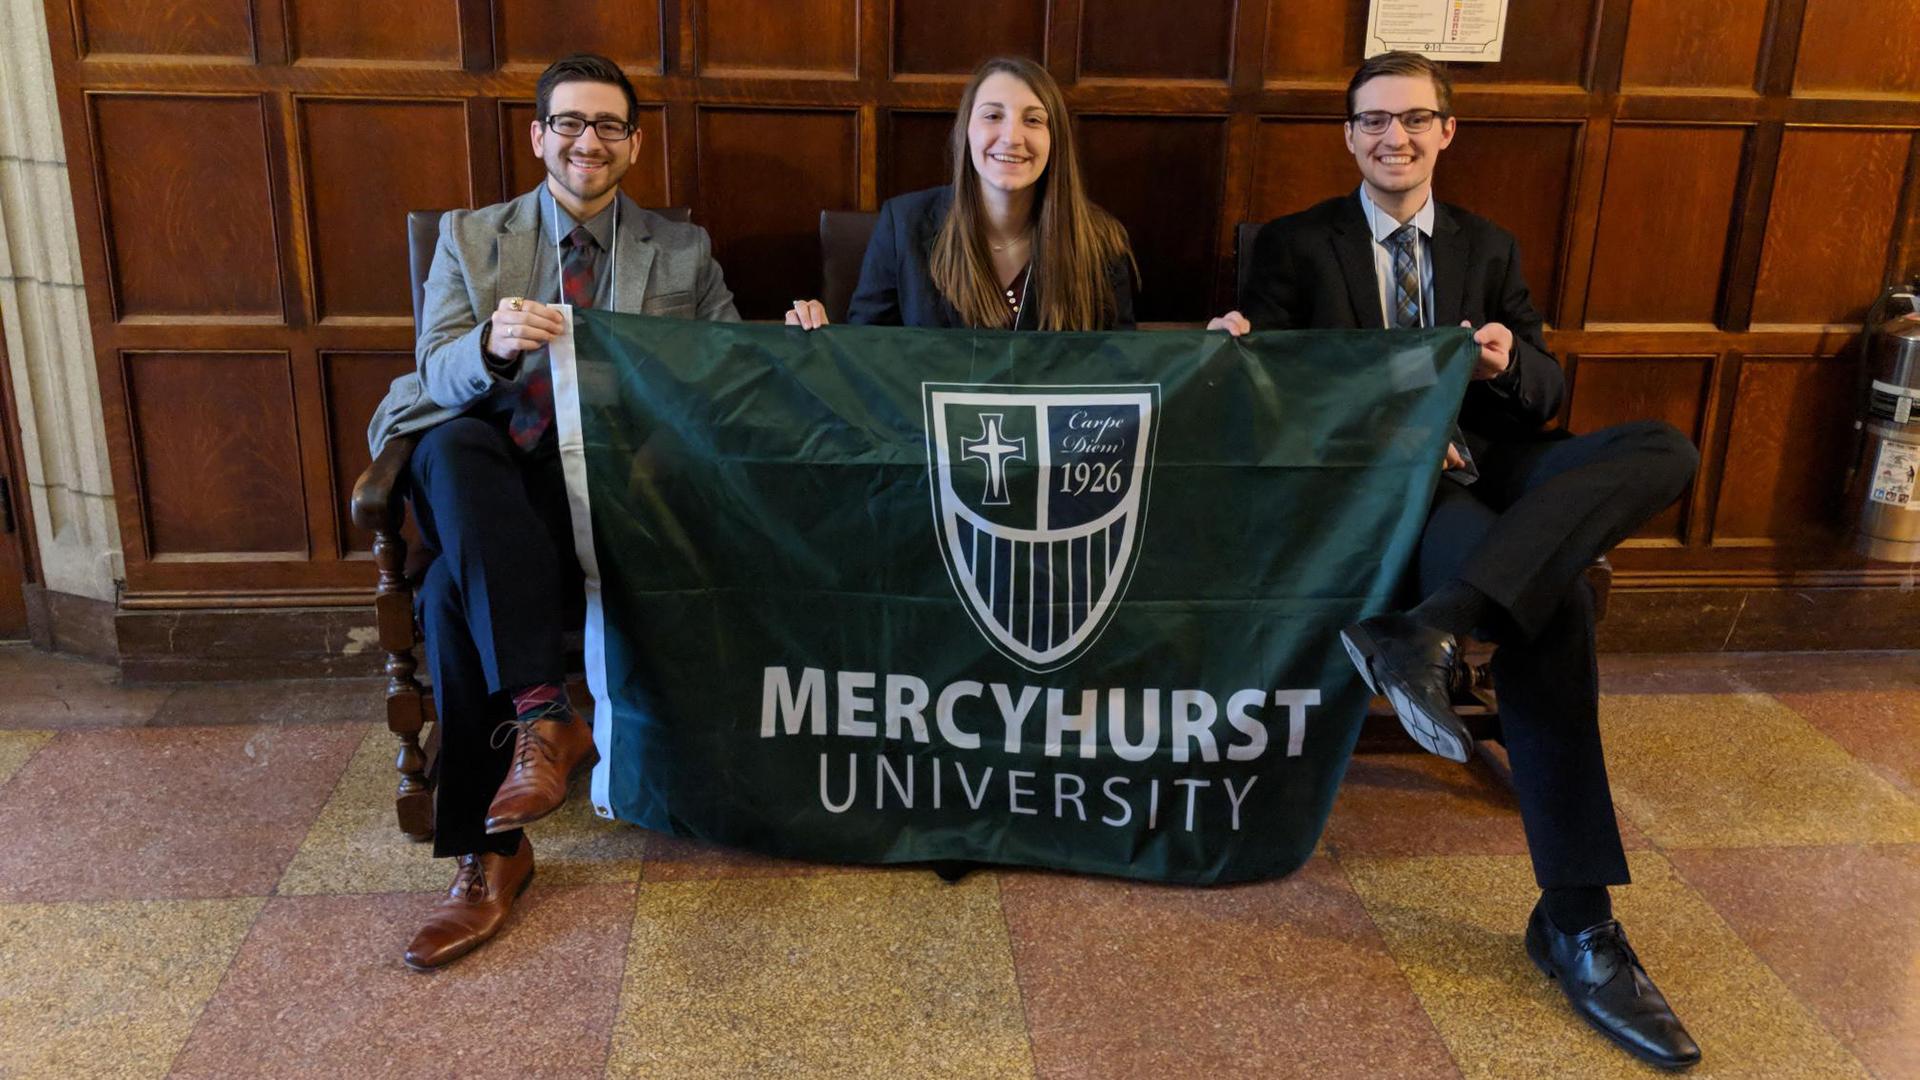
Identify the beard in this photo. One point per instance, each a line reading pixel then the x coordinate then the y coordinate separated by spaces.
pixel 590 187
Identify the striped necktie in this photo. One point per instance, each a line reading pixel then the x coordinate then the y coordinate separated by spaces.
pixel 533 411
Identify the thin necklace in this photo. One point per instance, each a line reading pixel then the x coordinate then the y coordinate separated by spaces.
pixel 1021 239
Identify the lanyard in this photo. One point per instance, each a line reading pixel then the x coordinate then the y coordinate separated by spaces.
pixel 1419 267
pixel 559 273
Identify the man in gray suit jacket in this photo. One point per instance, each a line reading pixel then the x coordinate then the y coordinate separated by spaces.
pixel 486 482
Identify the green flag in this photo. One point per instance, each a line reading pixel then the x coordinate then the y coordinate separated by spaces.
pixel 1073 600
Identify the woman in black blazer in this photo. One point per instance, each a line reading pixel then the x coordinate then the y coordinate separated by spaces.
pixel 1013 242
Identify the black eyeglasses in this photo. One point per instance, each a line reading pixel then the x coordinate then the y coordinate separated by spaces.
pixel 573 125
pixel 1376 121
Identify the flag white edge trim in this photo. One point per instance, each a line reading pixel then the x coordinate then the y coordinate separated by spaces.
pixel 573 466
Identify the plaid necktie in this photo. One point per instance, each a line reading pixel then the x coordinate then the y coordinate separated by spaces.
pixel 1406 279
pixel 533 412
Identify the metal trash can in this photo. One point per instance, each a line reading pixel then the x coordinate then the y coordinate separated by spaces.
pixel 1886 493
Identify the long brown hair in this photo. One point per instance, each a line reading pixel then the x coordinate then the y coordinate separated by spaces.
pixel 1075 242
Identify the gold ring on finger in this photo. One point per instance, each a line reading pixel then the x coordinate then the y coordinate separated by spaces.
pixel 514 303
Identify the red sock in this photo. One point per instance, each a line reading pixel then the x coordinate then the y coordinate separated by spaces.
pixel 542 700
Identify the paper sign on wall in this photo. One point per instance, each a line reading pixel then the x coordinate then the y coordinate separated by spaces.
pixel 1462 30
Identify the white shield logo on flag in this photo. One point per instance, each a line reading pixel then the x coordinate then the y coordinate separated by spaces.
pixel 1039 499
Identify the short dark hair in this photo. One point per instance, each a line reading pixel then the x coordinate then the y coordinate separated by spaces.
pixel 583 67
pixel 1402 63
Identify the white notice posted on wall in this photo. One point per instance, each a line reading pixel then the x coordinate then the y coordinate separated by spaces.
pixel 1469 30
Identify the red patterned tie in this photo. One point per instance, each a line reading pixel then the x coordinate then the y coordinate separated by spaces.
pixel 533 413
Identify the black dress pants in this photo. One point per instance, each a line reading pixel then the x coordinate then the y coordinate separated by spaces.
pixel 503 585
pixel 1523 534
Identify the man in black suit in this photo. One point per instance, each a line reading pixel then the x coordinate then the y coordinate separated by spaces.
pixel 1517 515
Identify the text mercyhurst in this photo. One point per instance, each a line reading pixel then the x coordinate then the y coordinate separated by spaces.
pixel 1123 723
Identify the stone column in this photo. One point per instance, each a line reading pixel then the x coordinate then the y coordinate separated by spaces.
pixel 43 303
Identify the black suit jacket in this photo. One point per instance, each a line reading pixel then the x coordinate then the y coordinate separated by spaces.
pixel 1314 271
pixel 896 287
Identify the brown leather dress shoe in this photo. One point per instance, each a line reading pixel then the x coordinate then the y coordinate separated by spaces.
pixel 484 889
pixel 545 752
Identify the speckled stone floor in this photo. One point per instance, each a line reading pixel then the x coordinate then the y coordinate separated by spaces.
pixel 205 881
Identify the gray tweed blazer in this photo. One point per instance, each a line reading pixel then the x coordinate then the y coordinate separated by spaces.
pixel 666 268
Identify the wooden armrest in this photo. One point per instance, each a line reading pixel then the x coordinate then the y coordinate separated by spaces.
pixel 374 506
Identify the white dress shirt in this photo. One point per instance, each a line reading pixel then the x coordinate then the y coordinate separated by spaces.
pixel 1383 225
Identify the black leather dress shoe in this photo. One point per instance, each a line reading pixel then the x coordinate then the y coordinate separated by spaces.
pixel 1413 665
pixel 1606 985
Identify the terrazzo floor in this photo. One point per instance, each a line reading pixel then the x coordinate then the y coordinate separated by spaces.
pixel 205 881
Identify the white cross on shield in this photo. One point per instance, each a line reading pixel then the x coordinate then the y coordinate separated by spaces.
pixel 995 451
pixel 1039 501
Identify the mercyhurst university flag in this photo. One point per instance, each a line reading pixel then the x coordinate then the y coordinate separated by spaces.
pixel 877 594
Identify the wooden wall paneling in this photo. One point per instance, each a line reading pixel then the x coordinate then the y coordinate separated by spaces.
pixel 1248 60
pixel 293 207
pixel 676 37
pixel 1549 42
pixel 354 382
pixel 1152 39
pixel 1607 57
pixel 484 149
pixel 647 181
pixel 169 28
pixel 873 52
pixel 476 37
pixel 530 34
pixel 1590 171
pixel 1607 390
pixel 1832 224
pixel 915 154
pixel 187 203
pixel 765 175
pixel 1162 177
pixel 325 514
pixel 682 139
pixel 1707 484
pixel 1904 264
pixel 1759 164
pixel 425 32
pixel 794 39
pixel 1313 42
pixel 867 144
pixel 1297 162
pixel 1645 214
pixel 1236 205
pixel 939 37
pixel 1519 174
pixel 1790 431
pixel 1859 47
pixel 1694 44
pixel 1780 47
pixel 271 47
pixel 358 214
pixel 1063 40
pixel 1661 239
pixel 219 467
